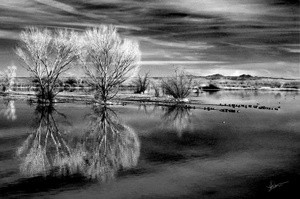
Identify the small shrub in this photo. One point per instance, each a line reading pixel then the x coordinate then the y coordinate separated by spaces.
pixel 7 78
pixel 71 81
pixel 141 83
pixel 178 86
pixel 156 89
pixel 295 85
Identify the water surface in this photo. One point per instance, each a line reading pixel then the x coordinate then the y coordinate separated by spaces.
pixel 143 151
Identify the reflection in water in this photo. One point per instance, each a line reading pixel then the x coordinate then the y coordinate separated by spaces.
pixel 143 107
pixel 110 144
pixel 178 117
pixel 277 96
pixel 10 111
pixel 250 154
pixel 106 147
pixel 211 92
pixel 45 147
pixel 148 109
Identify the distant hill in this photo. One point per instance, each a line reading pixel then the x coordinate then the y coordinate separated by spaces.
pixel 245 76
pixel 215 76
pixel 241 77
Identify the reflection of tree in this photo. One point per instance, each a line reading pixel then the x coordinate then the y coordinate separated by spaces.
pixel 99 153
pixel 10 111
pixel 277 96
pixel 147 109
pixel 45 146
pixel 177 117
pixel 110 144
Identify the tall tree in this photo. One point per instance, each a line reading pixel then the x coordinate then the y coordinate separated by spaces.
pixel 46 55
pixel 108 60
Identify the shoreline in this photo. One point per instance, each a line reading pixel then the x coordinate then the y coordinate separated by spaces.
pixel 65 97
pixel 138 99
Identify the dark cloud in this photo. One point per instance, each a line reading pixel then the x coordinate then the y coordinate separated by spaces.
pixel 286 2
pixel 185 32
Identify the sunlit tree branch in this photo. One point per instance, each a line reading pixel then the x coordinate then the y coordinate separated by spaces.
pixel 46 55
pixel 108 60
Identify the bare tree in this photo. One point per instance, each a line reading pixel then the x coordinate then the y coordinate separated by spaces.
pixel 108 60
pixel 8 78
pixel 178 86
pixel 156 89
pixel 47 54
pixel 141 83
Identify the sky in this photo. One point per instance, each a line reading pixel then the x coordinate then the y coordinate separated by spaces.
pixel 204 37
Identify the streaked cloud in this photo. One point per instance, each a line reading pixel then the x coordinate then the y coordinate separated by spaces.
pixel 185 45
pixel 6 34
pixel 58 5
pixel 234 9
pixel 204 34
pixel 293 50
pixel 178 62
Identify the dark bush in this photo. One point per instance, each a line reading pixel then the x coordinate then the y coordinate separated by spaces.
pixel 141 83
pixel 178 86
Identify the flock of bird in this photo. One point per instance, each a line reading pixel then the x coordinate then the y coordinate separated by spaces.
pixel 233 106
pixel 257 106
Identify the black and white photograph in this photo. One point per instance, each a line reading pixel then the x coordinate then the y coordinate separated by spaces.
pixel 149 99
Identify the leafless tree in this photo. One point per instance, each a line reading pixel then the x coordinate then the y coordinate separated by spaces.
pixel 7 78
pixel 156 89
pixel 46 55
pixel 141 83
pixel 108 60
pixel 178 86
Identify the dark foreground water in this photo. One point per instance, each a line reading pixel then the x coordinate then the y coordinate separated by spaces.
pixel 80 151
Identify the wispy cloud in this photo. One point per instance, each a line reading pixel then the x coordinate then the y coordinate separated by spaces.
pixel 178 62
pixel 200 33
pixel 6 34
pixel 233 9
pixel 59 5
pixel 174 44
pixel 292 50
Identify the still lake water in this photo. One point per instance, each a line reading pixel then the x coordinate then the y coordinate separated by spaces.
pixel 80 151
